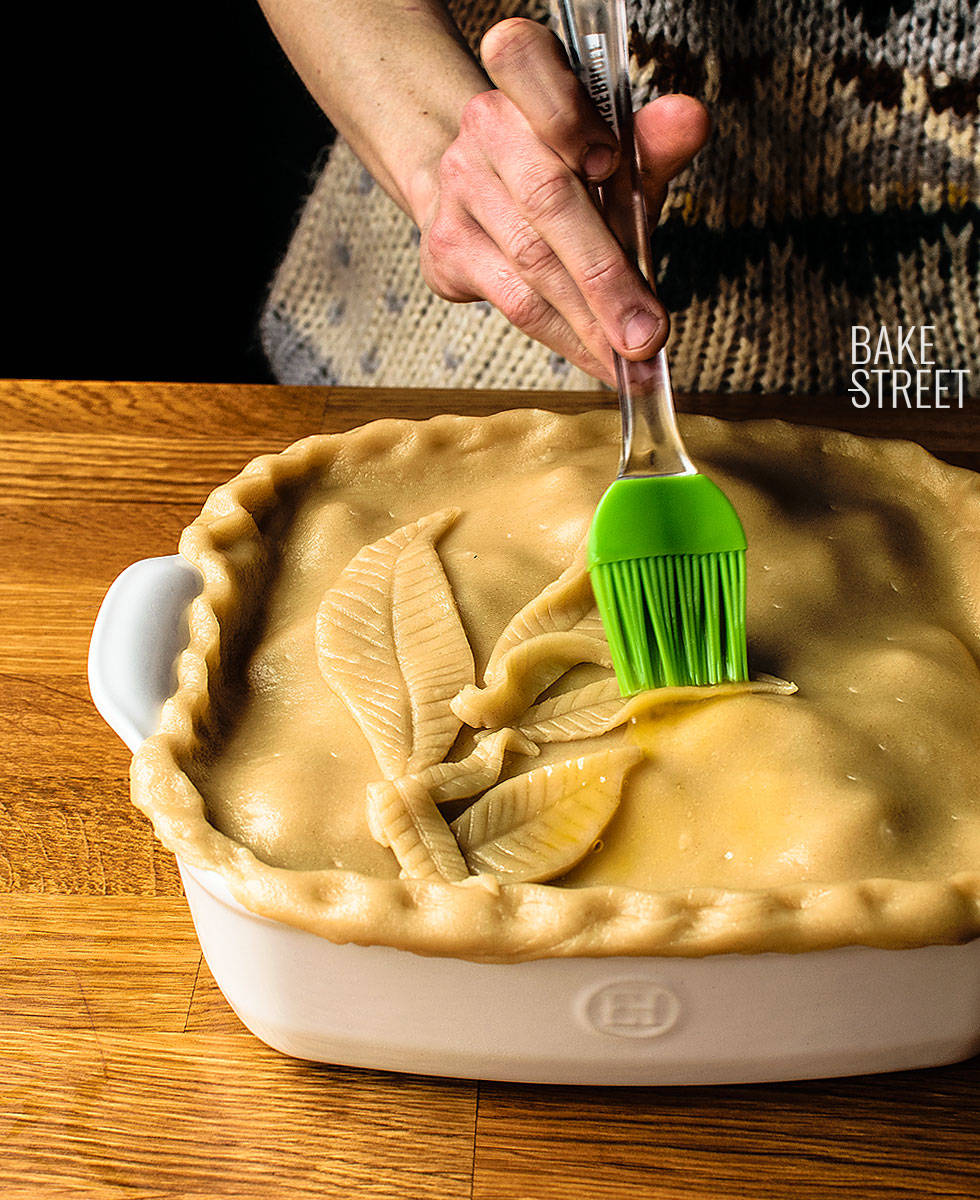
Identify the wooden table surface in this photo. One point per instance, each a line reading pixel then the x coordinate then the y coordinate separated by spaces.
pixel 122 1071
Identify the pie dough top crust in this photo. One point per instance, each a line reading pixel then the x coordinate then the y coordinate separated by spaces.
pixel 848 813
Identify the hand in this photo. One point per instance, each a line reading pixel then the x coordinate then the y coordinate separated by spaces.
pixel 509 218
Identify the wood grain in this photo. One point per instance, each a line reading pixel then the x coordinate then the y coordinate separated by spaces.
pixel 899 1135
pixel 98 967
pixel 223 1117
pixel 123 1072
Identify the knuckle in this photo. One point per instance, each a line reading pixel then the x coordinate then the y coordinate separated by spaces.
pixel 478 112
pixel 522 306
pixel 440 240
pixel 438 252
pixel 542 191
pixel 605 272
pixel 528 251
pixel 443 285
pixel 436 279
pixel 452 167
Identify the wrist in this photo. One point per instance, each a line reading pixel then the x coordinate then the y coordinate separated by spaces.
pixel 420 187
pixel 416 172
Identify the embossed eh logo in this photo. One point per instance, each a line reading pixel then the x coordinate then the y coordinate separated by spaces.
pixel 632 1008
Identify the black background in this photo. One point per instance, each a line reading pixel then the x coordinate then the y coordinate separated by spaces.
pixel 156 160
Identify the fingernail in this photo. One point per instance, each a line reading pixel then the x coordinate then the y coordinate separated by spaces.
pixel 598 162
pixel 639 329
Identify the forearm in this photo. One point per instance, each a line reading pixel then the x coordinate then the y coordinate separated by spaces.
pixel 392 76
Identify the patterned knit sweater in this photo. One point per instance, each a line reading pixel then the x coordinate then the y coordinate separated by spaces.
pixel 840 187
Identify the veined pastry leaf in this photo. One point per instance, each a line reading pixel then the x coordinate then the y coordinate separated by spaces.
pixel 646 703
pixel 479 770
pixel 355 643
pixel 405 818
pixel 525 672
pixel 598 707
pixel 447 781
pixel 537 826
pixel 591 623
pixel 585 712
pixel 559 607
pixel 433 654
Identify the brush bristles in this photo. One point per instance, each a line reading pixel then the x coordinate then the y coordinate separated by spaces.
pixel 674 620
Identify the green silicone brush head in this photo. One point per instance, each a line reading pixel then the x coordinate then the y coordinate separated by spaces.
pixel 667 562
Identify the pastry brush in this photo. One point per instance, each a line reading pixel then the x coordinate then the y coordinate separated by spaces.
pixel 666 548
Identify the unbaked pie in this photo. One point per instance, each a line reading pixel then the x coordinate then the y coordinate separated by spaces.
pixel 396 721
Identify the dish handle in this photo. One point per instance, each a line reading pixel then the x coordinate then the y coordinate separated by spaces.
pixel 138 633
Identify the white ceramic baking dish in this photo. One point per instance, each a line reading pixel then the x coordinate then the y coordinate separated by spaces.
pixel 721 1019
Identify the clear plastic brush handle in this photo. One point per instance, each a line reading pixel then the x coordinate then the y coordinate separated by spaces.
pixel 594 33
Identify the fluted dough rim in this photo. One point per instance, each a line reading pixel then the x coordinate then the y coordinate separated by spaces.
pixel 520 921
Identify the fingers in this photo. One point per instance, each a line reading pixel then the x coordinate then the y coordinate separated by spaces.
pixel 461 262
pixel 528 64
pixel 534 261
pixel 526 308
pixel 513 223
pixel 669 132
pixel 551 200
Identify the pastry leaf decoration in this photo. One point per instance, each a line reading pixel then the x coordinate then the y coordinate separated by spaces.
pixel 405 818
pixel 585 712
pixel 402 813
pixel 560 606
pixel 539 825
pixel 560 628
pixel 391 645
pixel 380 648
pixel 479 770
pixel 433 654
pixel 457 780
pixel 598 707
pixel 524 672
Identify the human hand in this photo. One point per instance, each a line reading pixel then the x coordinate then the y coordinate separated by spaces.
pixel 508 217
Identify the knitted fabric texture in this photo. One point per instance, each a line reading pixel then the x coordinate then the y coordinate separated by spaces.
pixel 839 188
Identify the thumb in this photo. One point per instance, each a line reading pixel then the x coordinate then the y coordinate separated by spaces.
pixel 669 132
